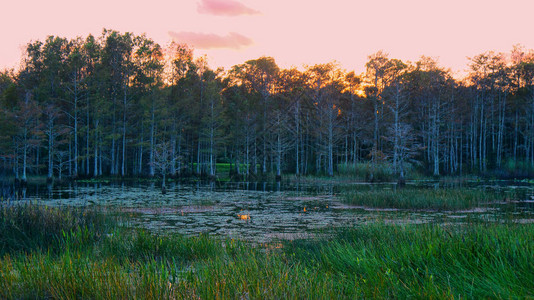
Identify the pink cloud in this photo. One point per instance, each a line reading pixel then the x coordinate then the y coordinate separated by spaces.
pixel 224 8
pixel 212 41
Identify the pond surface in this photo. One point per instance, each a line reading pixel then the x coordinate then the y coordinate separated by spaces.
pixel 268 211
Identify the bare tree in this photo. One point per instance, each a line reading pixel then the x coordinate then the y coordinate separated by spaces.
pixel 398 105
pixel 162 161
pixel 62 161
pixel 29 130
pixel 51 113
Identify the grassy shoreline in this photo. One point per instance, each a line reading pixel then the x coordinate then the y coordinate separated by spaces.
pixel 86 254
pixel 422 199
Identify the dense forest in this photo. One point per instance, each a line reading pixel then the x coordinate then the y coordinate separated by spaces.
pixel 122 105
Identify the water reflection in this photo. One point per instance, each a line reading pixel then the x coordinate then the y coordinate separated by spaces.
pixel 263 211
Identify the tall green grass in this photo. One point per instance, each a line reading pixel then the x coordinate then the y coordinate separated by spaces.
pixel 373 261
pixel 32 227
pixel 440 199
pixel 427 261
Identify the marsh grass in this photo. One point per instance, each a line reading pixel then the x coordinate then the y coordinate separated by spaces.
pixel 373 261
pixel 30 227
pixel 427 261
pixel 435 199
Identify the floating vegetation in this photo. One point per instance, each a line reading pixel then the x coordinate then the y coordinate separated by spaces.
pixel 373 261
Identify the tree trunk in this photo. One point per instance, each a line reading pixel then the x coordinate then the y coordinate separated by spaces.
pixel 87 150
pixel 151 158
pixel 50 149
pixel 95 166
pixel 75 174
pixel 297 136
pixel 24 157
pixel 123 163
pixel 140 170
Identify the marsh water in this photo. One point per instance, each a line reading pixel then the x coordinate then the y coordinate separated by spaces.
pixel 261 211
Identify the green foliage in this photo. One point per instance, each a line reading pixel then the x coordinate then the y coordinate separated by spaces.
pixel 381 172
pixel 114 97
pixel 427 261
pixel 139 245
pixel 27 228
pixel 442 199
pixel 94 180
pixel 517 169
pixel 372 261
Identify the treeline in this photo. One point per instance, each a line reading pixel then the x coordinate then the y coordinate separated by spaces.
pixel 122 105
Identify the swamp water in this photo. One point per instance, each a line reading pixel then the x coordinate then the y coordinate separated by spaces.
pixel 262 212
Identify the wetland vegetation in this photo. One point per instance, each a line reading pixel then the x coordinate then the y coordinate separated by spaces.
pixel 417 199
pixel 88 254
pixel 132 170
pixel 312 241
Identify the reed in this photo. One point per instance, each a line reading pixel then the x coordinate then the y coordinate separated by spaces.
pixel 40 228
pixel 373 261
pixel 439 199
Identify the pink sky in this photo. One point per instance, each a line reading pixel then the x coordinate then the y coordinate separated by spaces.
pixel 294 32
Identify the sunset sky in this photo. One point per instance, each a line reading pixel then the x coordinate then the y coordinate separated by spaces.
pixel 294 32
